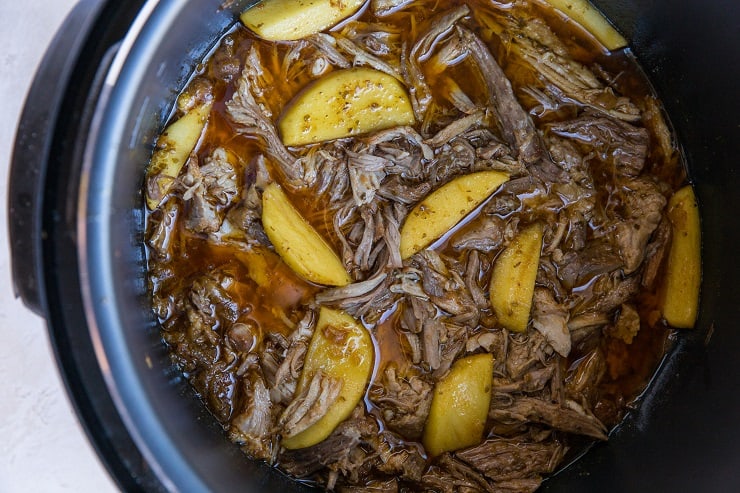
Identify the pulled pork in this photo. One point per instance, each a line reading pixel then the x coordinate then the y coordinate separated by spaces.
pixel 492 87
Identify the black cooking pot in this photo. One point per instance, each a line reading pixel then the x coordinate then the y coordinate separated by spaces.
pixel 77 218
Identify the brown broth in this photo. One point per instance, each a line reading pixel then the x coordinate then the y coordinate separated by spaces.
pixel 629 367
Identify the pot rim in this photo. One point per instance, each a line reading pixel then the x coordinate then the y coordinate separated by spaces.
pixel 95 266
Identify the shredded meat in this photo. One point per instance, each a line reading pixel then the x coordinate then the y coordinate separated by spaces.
pixel 492 87
pixel 252 427
pixel 404 401
pixel 310 405
pixel 506 459
pixel 571 419
pixel 551 319
pixel 516 125
pixel 620 144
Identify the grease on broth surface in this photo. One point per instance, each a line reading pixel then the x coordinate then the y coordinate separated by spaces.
pixel 512 88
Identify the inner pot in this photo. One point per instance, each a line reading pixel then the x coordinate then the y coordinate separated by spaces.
pixel 684 432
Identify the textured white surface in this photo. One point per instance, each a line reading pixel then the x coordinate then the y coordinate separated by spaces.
pixel 42 446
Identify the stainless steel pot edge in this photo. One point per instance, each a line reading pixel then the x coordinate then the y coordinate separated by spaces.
pixel 140 421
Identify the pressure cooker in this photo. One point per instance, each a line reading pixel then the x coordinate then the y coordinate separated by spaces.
pixel 76 212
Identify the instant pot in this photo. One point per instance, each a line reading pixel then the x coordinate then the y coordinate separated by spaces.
pixel 105 90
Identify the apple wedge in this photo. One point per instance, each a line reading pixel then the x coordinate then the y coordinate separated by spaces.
pixel 683 270
pixel 288 20
pixel 341 348
pixel 298 243
pixel 442 209
pixel 345 103
pixel 460 404
pixel 513 278
pixel 593 21
pixel 172 151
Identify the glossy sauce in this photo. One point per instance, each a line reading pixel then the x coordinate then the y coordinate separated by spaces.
pixel 629 367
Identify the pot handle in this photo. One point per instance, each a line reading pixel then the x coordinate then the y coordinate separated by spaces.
pixel 32 152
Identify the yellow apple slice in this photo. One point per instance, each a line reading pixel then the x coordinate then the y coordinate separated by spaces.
pixel 172 151
pixel 459 410
pixel 445 207
pixel 288 20
pixel 683 270
pixel 299 245
pixel 593 21
pixel 341 348
pixel 513 278
pixel 345 103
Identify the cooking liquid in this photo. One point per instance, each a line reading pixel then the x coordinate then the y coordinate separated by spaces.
pixel 629 366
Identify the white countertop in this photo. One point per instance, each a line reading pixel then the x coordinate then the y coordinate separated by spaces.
pixel 42 446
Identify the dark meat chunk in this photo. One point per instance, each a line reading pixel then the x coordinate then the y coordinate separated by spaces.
pixel 397 189
pixel 354 449
pixel 486 234
pixel 373 486
pixel 655 252
pixel 225 64
pixel 443 283
pixel 613 141
pixel 210 296
pixel 512 459
pixel 455 158
pixel 243 337
pixel 456 128
pixel 643 206
pixel 368 299
pixel 451 475
pixel 161 229
pixel 567 80
pixel 565 154
pixel 210 188
pixel 399 458
pixel 524 352
pixel 217 385
pixel 365 174
pixel 419 91
pixel 532 381
pixel 243 223
pixel 202 215
pixel 582 382
pixel 453 343
pixel 340 451
pixel 251 427
pixel 551 319
pixel 473 270
pixel 608 293
pixel 283 359
pixel 404 401
pixel 508 198
pixel 516 125
pixel 578 268
pixel 572 419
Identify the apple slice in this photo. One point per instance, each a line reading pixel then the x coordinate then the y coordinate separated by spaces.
pixel 298 243
pixel 172 151
pixel 345 103
pixel 460 404
pixel 341 348
pixel 445 207
pixel 593 21
pixel 288 20
pixel 683 270
pixel 513 278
